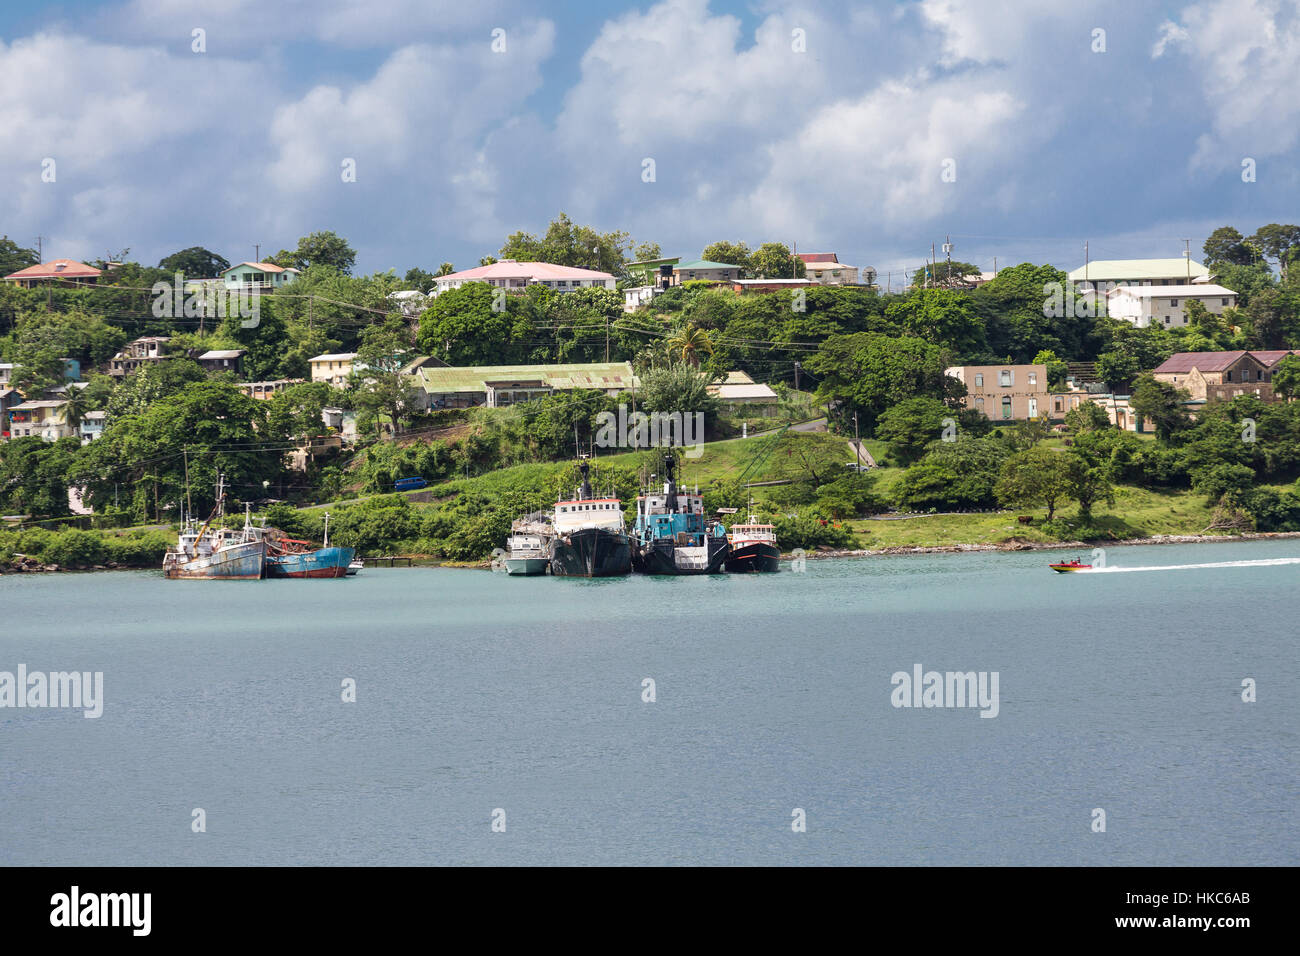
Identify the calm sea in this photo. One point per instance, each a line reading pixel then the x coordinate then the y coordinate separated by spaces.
pixel 478 693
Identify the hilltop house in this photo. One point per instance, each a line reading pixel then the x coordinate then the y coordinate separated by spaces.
pixel 1104 274
pixel 649 271
pixel 512 275
pixel 257 277
pixel 1004 392
pixel 59 272
pixel 825 268
pixel 1166 305
pixel 705 269
pixel 497 386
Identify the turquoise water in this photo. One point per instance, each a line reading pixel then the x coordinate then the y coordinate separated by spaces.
pixel 478 691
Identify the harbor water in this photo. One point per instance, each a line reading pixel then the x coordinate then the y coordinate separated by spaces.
pixel 481 697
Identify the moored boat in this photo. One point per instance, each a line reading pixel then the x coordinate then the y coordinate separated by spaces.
pixel 295 558
pixel 671 536
pixel 528 547
pixel 753 547
pixel 591 538
pixel 208 553
pixel 356 566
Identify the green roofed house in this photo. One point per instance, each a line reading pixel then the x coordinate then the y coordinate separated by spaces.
pixel 497 386
pixel 706 269
pixel 647 271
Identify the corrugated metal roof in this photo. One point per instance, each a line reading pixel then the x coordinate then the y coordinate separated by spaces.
pixel 1202 361
pixel 1118 270
pixel 524 270
pixel 56 269
pixel 707 264
pixel 602 375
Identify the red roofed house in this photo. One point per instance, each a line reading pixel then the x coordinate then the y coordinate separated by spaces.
pixel 62 271
pixel 509 274
pixel 1221 376
pixel 825 268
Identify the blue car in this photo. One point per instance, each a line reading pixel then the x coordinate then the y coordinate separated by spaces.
pixel 409 484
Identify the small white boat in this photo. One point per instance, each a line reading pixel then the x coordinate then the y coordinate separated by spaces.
pixel 356 565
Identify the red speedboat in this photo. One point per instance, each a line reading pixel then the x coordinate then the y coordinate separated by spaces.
pixel 1065 566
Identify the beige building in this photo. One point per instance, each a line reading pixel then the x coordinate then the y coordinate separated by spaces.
pixel 44 419
pixel 334 368
pixel 1004 392
pixel 741 395
pixel 1166 305
pixel 1221 376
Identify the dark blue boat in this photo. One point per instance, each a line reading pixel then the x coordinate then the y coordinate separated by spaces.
pixel 320 563
pixel 671 535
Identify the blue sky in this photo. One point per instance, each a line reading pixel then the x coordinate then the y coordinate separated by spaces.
pixel 825 124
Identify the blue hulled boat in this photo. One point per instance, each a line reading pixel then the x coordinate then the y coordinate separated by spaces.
pixel 294 558
pixel 671 535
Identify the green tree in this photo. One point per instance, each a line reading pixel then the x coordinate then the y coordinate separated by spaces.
pixel 941 316
pixel 14 257
pixel 732 253
pixel 1286 377
pixel 773 260
pixel 1057 368
pixel 676 388
pixel 567 244
pixel 1036 476
pixel 380 386
pixel 462 327
pixel 944 275
pixel 195 263
pixel 1160 403
pixel 688 343
pixel 1227 246
pixel 323 248
pixel 445 269
pixel 1087 417
pixel 911 425
pixel 1277 243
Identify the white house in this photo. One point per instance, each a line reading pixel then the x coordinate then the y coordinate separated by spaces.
pixel 511 275
pixel 1165 305
pixel 334 368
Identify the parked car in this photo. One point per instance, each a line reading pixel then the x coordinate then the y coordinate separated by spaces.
pixel 409 484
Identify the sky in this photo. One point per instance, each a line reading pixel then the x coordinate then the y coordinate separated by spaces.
pixel 1018 128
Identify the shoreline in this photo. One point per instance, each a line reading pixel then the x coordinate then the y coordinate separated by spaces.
pixel 428 561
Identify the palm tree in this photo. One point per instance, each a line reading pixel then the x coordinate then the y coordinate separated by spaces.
pixel 688 343
pixel 74 410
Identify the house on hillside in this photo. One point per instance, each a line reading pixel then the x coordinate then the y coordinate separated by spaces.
pixel 223 360
pixel 825 268
pixel 264 390
pixel 768 285
pixel 137 354
pixel 334 368
pixel 1004 392
pixel 651 271
pixel 1166 305
pixel 45 419
pixel 257 277
pixel 517 276
pixel 741 395
pixel 706 270
pixel 65 272
pixel 92 426
pixel 1222 376
pixel 1104 274
pixel 497 386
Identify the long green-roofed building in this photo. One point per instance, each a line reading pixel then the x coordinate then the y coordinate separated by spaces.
pixel 497 386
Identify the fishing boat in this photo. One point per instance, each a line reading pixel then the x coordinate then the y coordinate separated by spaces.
pixel 204 552
pixel 753 546
pixel 356 566
pixel 528 547
pixel 591 538
pixel 1064 567
pixel 294 558
pixel 671 536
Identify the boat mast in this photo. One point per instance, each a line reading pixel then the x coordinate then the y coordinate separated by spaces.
pixel 326 543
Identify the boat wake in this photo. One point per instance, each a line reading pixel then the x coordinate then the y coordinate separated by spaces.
pixel 1258 563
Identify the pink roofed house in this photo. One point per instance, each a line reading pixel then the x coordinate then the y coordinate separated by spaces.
pixel 511 275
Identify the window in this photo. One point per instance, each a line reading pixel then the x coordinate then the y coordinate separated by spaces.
pixel 979 402
pixel 1224 300
pixel 1173 303
pixel 1033 378
pixel 1227 376
pixel 1006 406
pixel 1166 320
pixel 1005 377
pixel 1033 408
pixel 979 379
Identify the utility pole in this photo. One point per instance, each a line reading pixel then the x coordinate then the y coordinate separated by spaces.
pixel 857 442
pixel 930 271
pixel 189 505
pixel 40 250
pixel 796 376
pixel 1187 254
pixel 257 252
pixel 606 336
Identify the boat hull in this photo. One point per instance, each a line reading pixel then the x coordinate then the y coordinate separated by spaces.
pixel 238 562
pixel 591 553
pixel 527 567
pixel 321 563
pixel 665 556
pixel 1067 568
pixel 755 557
